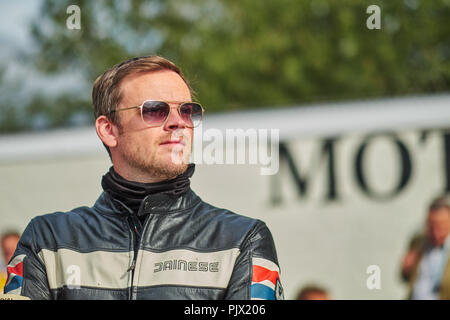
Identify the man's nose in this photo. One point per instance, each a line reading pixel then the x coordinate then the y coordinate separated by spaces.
pixel 174 120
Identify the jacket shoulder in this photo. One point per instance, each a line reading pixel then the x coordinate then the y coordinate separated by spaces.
pixel 226 225
pixel 81 228
pixel 61 219
pixel 228 217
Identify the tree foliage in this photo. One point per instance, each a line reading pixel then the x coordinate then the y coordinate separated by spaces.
pixel 251 53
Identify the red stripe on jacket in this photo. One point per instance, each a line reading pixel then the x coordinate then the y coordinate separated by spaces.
pixel 17 269
pixel 261 274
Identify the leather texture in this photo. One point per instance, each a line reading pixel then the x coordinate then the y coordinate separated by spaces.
pixel 185 249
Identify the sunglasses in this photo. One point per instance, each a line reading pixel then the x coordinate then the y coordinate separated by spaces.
pixel 156 113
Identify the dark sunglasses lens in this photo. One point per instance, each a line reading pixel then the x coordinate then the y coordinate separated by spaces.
pixel 191 113
pixel 155 112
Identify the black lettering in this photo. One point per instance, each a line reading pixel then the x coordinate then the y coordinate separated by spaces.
pixel 158 267
pixel 203 266
pixel 302 181
pixel 192 266
pixel 328 148
pixel 405 173
pixel 214 267
pixel 167 265
pixel 184 263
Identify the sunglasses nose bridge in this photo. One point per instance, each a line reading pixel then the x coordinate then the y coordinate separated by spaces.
pixel 174 117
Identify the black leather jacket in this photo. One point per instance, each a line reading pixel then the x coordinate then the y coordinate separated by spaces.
pixel 186 249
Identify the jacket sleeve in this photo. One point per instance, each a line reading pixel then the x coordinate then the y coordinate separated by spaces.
pixel 256 274
pixel 26 273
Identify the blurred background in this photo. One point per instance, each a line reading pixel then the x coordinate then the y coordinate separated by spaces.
pixel 363 116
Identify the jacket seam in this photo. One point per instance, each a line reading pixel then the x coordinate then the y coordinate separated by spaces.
pixel 190 249
pixel 111 290
pixel 178 210
pixel 76 249
pixel 258 224
pixel 130 255
pixel 195 202
pixel 180 286
pixel 250 269
pixel 41 263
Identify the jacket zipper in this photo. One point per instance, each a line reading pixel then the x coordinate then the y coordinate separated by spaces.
pixel 136 232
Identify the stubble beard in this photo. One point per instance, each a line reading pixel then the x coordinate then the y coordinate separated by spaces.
pixel 150 162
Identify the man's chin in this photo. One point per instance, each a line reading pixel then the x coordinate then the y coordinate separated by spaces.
pixel 167 170
pixel 178 155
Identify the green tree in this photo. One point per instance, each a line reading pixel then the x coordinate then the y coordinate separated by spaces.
pixel 253 53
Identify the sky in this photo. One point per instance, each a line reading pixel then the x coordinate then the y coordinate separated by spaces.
pixel 16 45
pixel 15 17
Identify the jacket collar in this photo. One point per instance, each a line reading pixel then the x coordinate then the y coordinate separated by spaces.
pixel 151 204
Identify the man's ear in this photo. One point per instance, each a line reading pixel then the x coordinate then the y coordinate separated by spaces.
pixel 107 131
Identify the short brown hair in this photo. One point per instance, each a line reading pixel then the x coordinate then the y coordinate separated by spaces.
pixel 106 93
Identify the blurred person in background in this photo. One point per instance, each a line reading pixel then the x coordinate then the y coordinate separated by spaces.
pixel 148 236
pixel 426 264
pixel 9 242
pixel 313 292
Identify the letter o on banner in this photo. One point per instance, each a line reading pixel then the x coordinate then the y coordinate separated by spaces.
pixel 405 172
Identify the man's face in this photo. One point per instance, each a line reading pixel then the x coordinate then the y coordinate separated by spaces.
pixel 153 150
pixel 439 225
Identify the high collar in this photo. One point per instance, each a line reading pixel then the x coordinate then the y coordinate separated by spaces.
pixel 152 204
pixel 143 198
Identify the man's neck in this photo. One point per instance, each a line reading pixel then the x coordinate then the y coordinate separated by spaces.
pixel 138 175
pixel 132 192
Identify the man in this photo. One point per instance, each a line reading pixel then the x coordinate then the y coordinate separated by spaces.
pixel 426 265
pixel 148 236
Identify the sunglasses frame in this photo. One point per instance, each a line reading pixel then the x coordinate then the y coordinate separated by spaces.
pixel 180 104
